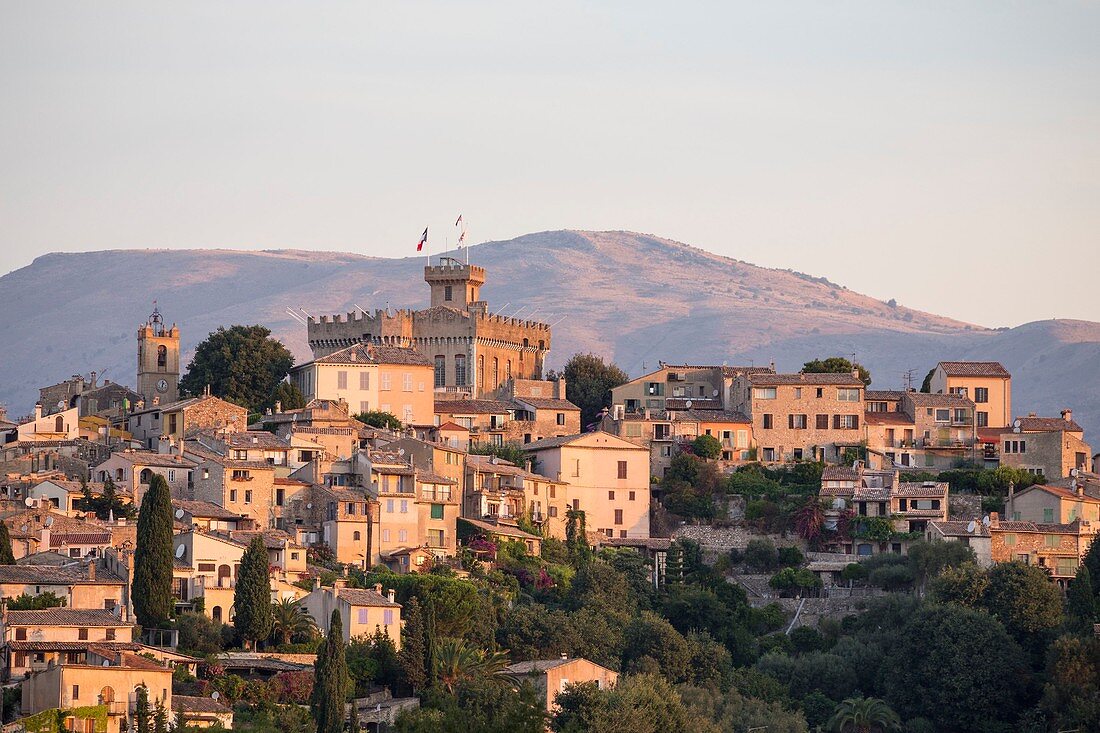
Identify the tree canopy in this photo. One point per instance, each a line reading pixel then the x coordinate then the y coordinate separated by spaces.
pixel 588 384
pixel 253 614
pixel 152 582
pixel 836 365
pixel 241 364
pixel 379 419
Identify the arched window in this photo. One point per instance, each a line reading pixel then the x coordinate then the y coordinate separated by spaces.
pixel 224 576
pixel 59 424
pixel 145 476
pixel 162 356
pixel 118 474
pixel 216 613
pixel 106 695
pixel 356 536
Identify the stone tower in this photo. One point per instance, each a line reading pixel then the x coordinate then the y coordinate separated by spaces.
pixel 455 284
pixel 158 373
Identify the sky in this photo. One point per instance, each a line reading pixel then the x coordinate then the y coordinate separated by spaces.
pixel 945 154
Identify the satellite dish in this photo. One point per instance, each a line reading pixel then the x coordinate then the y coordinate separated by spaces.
pixel 400 451
pixel 179 514
pixel 49 521
pixel 985 520
pixel 23 528
pixel 106 663
pixel 214 695
pixel 972 526
pixel 1017 423
pixel 29 501
pixel 687 404
pixel 1017 428
pixel 1074 472
pixel 180 550
pixel 61 404
pixel 309 506
pixel 715 393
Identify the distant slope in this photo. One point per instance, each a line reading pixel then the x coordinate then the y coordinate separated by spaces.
pixel 635 298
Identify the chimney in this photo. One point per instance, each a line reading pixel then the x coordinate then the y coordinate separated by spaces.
pixel 564 655
pixel 378 588
pixel 391 594
pixel 278 406
pixel 92 382
pixel 994 520
pixel 1067 415
pixel 37 410
pixel 317 583
pixel 561 388
pixel 1010 504
pixel 44 539
pixel 91 570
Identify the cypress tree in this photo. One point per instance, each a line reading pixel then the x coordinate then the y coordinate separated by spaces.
pixel 252 598
pixel 160 718
pixel 330 682
pixel 151 590
pixel 1092 562
pixel 7 557
pixel 1080 600
pixel 141 711
pixel 414 646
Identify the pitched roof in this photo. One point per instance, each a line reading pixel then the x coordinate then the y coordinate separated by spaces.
pixel 881 395
pixel 506 530
pixel 887 418
pixel 153 459
pixel 973 369
pixel 615 440
pixel 472 407
pixel 189 704
pixel 64 617
pixel 366 597
pixel 767 379
pixel 1060 492
pixel 57 539
pixel 840 473
pixel 928 399
pixel 705 415
pixel 536 666
pixel 365 353
pixel 547 403
pixel 452 427
pixel 958 528
pixel 689 403
pixel 1032 424
pixel 204 509
pixel 50 575
pixel 919 489
pixel 255 439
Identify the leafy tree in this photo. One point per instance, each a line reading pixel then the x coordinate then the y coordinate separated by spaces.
pixel 478 706
pixel 1023 598
pixel 511 452
pixel 152 583
pixel 379 419
pixel 964 585
pixel 25 602
pixel 711 709
pixel 853 571
pixel 707 446
pixel 199 634
pixel 760 554
pixel 142 715
pixel 373 660
pixel 253 617
pixel 864 715
pixel 926 385
pixel 1092 562
pixel 241 364
pixel 330 681
pixel 929 559
pixel 1071 700
pixel 644 703
pixel 288 396
pixel 107 504
pixel 823 672
pixel 836 365
pixel 957 667
pixel 588 384
pixel 290 619
pixel 576 538
pixel 654 645
pixel 7 557
pixel 1080 599
pixel 809 520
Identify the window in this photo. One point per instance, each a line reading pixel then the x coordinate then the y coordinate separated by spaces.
pixel 767 422
pixel 440 370
pixel 1010 539
pixel 280 497
pixel 351 507
pixel 1048 515
pixel 295 555
pixel 385 535
pixel 618 516
pixel 622 469
pixel 763 393
pixel 364 379
pixel 630 496
pixel 481 371
pixel 769 455
pixel 389 506
pixel 76 692
pixel 402 535
pixel 448 293
pixel 248 496
pixel 797 454
pixel 110 635
pixel 943 414
pixel 437 511
pixel 205 473
pixel 553 511
pixel 845 422
pixel 171 474
pixel 981 394
pixel 460 369
pixel 404 506
pixel 822 422
pixel 82 634
pixel 1051 540
pixel 232 494
pixel 798 393
pixel 341 380
pixel 611 496
pixel 983 419
pixel 796 422
pixel 1015 446
pixel 386 381
pixel 387 616
pixel 20 634
pixel 363 615
pixel 553 491
pixel 961 415
pixel 407 382
pixel 847 394
pixel 655 389
pixel 561 418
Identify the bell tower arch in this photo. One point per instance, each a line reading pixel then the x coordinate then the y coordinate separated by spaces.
pixel 158 372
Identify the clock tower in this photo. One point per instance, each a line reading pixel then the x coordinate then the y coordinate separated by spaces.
pixel 158 372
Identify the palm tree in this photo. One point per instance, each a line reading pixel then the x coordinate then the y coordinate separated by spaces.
pixel 864 715
pixel 455 662
pixel 810 519
pixel 290 620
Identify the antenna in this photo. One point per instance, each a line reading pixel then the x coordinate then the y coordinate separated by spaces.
pixel 364 310
pixel 908 377
pixel 214 695
pixel 502 308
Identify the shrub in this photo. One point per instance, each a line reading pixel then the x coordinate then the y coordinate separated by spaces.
pixel 790 556
pixel 760 554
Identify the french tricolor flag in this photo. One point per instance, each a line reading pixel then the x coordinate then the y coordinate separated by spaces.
pixel 423 240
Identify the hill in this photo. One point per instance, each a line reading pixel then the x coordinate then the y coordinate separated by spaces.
pixel 635 298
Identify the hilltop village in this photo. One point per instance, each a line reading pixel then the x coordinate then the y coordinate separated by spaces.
pixel 482 534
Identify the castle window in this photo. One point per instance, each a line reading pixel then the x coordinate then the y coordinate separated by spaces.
pixel 460 369
pixel 162 356
pixel 440 370
pixel 508 369
pixel 448 293
pixel 481 372
pixel 496 372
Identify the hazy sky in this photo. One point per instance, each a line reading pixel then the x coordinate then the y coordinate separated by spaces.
pixel 943 154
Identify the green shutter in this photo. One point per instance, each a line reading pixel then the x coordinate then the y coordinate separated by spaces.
pixel 437 511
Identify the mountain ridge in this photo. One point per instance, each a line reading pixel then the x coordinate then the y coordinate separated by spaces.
pixel 635 298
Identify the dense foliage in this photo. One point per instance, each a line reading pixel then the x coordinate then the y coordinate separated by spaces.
pixel 588 384
pixel 253 616
pixel 836 365
pixel 152 583
pixel 241 364
pixel 379 419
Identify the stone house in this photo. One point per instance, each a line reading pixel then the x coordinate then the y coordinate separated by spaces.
pixel 34 640
pixel 799 417
pixel 551 676
pixel 203 712
pixel 241 486
pixel 1049 504
pixel 132 471
pixel 501 531
pixel 177 421
pixel 496 489
pixel 393 379
pixel 345 523
pixel 1058 548
pixel 87 585
pixel 109 399
pixel 972 533
pixel 1046 446
pixel 986 383
pixel 362 612
pixel 608 479
pixel 59 426
pixel 707 387
pixel 664 432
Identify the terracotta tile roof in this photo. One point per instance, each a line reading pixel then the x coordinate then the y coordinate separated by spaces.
pixel 1033 424
pixel 692 403
pixel 365 597
pixel 715 416
pixel 196 449
pixel 152 459
pixel 547 403
pixel 259 439
pixel 537 666
pixel 884 395
pixel 887 418
pixel 926 399
pixel 273 538
pixel 767 379
pixel 472 407
pixel 958 528
pixel 65 617
pixel 1061 492
pixel 907 489
pixel 429 477
pixel 973 369
pixel 70 646
pixel 506 530
pixel 57 539
pixel 189 704
pixel 1073 527
pixel 485 464
pixel 204 509
pixel 363 353
pixel 450 426
pixel 840 473
pixel 869 493
pixel 50 575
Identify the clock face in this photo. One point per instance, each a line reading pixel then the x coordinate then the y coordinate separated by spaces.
pixel 162 385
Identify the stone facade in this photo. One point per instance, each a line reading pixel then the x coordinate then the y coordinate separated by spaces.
pixel 158 372
pixel 472 350
pixel 1050 447
pixel 1057 548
